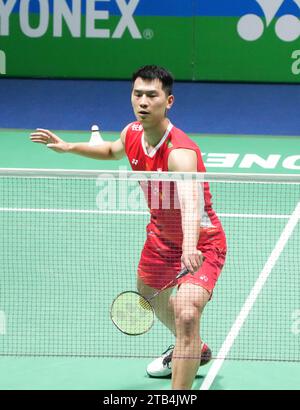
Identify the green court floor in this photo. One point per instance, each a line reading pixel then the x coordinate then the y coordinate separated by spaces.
pixel 222 153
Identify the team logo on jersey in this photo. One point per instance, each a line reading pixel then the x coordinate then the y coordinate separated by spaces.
pixel 137 127
pixel 135 161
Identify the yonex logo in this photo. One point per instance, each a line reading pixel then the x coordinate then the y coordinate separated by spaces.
pixel 251 27
pixel 69 14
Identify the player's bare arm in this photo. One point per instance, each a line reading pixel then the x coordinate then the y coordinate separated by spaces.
pixel 107 151
pixel 183 160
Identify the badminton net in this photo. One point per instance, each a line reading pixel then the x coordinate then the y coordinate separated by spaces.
pixel 71 241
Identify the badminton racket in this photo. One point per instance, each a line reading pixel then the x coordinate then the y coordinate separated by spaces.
pixel 132 313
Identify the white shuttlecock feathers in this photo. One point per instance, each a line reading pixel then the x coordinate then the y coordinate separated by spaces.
pixel 96 138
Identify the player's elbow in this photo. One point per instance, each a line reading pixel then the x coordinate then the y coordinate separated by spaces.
pixel 106 151
pixel 117 154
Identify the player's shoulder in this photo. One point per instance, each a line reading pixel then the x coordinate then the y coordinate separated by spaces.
pixel 131 129
pixel 180 139
pixel 131 133
pixel 177 131
pixel 135 127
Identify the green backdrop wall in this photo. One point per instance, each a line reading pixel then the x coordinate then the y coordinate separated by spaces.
pixel 232 40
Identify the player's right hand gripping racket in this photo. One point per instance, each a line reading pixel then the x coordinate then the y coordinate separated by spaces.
pixel 132 313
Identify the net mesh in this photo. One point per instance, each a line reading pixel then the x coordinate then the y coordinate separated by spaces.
pixel 71 242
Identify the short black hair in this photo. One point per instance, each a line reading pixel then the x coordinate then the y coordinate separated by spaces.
pixel 153 72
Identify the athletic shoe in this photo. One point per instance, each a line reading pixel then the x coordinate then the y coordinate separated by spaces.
pixel 162 366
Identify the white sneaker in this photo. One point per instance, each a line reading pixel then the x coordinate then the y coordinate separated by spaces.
pixel 162 366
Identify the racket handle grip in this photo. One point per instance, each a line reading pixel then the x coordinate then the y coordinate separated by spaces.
pixel 183 272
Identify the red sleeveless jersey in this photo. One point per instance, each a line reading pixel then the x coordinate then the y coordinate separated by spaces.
pixel 166 223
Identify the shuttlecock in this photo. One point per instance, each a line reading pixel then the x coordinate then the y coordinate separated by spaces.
pixel 96 138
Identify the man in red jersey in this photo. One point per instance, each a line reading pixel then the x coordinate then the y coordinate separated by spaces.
pixel 191 236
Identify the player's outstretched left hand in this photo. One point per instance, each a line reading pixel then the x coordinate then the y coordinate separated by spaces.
pixel 42 136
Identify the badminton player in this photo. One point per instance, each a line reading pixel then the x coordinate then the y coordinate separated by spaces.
pixel 191 236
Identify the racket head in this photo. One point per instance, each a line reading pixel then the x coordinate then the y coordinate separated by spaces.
pixel 131 313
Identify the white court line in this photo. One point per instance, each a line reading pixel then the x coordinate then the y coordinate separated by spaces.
pixel 72 211
pixel 259 216
pixel 126 212
pixel 255 291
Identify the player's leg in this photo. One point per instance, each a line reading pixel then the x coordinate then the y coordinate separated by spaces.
pixel 189 303
pixel 161 366
pixel 161 304
pixel 164 311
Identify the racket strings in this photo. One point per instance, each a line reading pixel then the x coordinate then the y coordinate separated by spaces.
pixel 144 304
pixel 132 313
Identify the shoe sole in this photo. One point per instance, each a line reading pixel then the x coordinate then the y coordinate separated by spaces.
pixel 168 376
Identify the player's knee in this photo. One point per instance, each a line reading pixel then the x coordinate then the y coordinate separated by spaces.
pixel 187 319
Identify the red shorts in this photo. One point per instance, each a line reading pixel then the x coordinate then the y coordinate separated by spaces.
pixel 161 261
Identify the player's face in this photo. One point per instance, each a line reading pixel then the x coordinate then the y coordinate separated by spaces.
pixel 149 101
